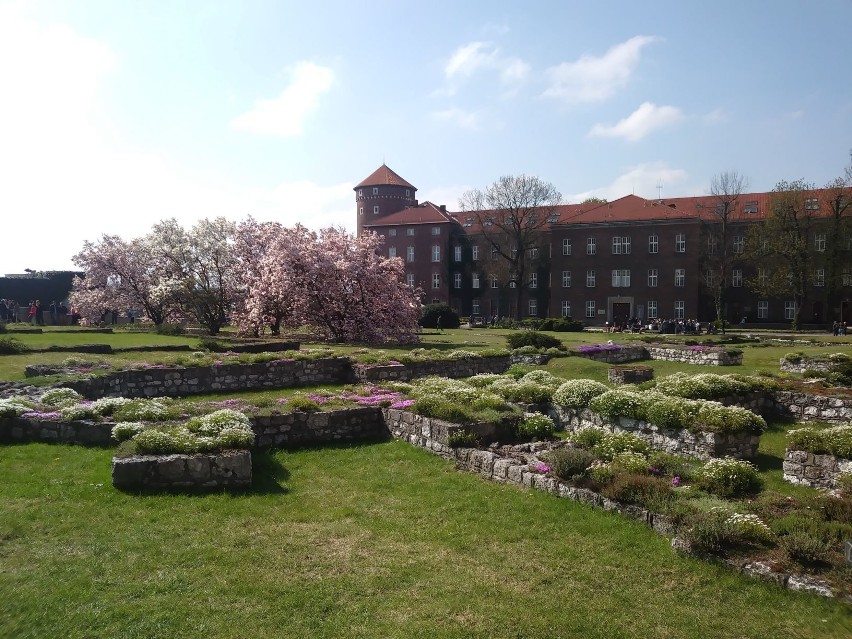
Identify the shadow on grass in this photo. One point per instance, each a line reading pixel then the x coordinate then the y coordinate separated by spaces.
pixel 766 462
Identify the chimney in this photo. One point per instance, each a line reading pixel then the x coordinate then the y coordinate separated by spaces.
pixel 443 208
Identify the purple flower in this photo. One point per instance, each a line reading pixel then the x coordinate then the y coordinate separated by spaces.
pixel 676 481
pixel 404 403
pixel 541 467
pixel 42 415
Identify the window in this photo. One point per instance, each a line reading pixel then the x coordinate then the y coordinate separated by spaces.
pixel 680 277
pixel 621 246
pixel 819 242
pixel 590 278
pixel 474 310
pixel 653 243
pixel 712 244
pixel 750 206
pixel 391 232
pixel 436 253
pixel 591 246
pixel 409 231
pixel 407 192
pixel 566 246
pixel 739 243
pixel 819 277
pixel 533 280
pixel 375 190
pixel 680 243
pixel 360 192
pixel 409 279
pixel 591 311
pixel 566 308
pixel 361 211
pixel 476 280
pixel 436 230
pixel 534 253
pixel 566 279
pixel 457 252
pixel 475 252
pixel 847 277
pixel 652 309
pixel 621 278
pixel 533 308
pixel 653 277
pixel 811 204
pixel 789 310
pixel 409 254
pixel 391 251
pixel 710 278
pixel 679 309
pixel 494 281
pixel 737 277
pixel 761 276
pixel 436 280
pixel 457 279
pixel 762 309
pixel 375 210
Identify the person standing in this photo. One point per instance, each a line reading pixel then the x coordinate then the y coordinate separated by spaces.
pixel 54 313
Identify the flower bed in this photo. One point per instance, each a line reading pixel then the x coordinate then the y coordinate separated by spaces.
pixel 610 353
pixel 819 458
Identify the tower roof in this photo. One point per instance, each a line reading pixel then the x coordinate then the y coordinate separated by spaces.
pixel 384 176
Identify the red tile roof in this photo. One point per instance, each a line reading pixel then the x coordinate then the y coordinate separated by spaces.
pixel 384 176
pixel 630 208
pixel 423 213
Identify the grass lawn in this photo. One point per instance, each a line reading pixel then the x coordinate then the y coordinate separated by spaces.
pixel 366 541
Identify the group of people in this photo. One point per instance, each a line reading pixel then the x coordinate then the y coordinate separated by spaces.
pixel 33 313
pixel 669 326
pixel 838 328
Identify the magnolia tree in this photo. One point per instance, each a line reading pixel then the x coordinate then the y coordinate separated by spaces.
pixel 119 274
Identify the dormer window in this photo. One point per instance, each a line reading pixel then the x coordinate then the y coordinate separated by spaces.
pixel 811 204
pixel 751 206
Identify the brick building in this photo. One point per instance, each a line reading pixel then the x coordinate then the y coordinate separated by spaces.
pixel 597 262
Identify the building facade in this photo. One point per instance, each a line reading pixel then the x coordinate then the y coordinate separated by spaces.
pixel 597 262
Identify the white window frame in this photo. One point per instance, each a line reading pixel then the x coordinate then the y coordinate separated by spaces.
pixel 680 277
pixel 651 309
pixel 566 279
pixel 409 231
pixel 739 244
pixel 532 307
pixel 391 232
pixel 475 280
pixel 457 254
pixel 566 308
pixel 591 278
pixel 680 243
pixel 474 252
pixel 376 209
pixel 789 309
pixel 737 277
pixel 474 307
pixel 819 277
pixel 436 230
pixel 457 280
pixel 436 252
pixel 762 309
pixel 591 308
pixel 533 280
pixel 621 245
pixel 566 246
pixel 409 254
pixel 375 190
pixel 436 280
pixel 820 242
pixel 653 278
pixel 679 309
pixel 409 279
pixel 653 243
pixel 494 282
pixel 621 278
pixel 591 246
pixel 391 251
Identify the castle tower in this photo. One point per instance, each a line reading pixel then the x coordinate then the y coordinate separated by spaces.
pixel 381 194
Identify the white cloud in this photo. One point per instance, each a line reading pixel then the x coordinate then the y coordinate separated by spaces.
pixel 717 116
pixel 474 57
pixel 592 79
pixel 641 180
pixel 647 118
pixel 285 115
pixel 459 117
pixel 313 205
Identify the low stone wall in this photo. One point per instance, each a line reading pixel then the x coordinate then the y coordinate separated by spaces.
pixel 434 434
pixel 16 430
pixel 702 358
pixel 193 380
pixel 616 356
pixel 817 471
pixel 228 469
pixel 630 375
pixel 531 359
pixel 299 428
pixel 703 445
pixel 445 368
pixel 804 407
pixel 806 364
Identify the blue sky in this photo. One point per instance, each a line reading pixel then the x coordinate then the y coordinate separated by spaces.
pixel 116 114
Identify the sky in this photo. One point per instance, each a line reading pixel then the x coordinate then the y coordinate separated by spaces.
pixel 116 114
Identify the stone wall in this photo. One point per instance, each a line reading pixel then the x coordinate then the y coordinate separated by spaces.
pixel 804 407
pixel 618 356
pixel 703 445
pixel 17 430
pixel 701 358
pixel 193 380
pixel 434 434
pixel 630 375
pixel 806 364
pixel 228 469
pixel 445 368
pixel 817 471
pixel 299 428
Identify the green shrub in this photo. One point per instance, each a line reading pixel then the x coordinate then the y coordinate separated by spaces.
pixel 728 477
pixel 708 532
pixel 567 463
pixel 534 338
pixel 715 417
pixel 517 371
pixel 208 343
pixel 432 312
pixel 304 404
pixel 11 346
pixel 108 405
pixel 124 431
pixel 620 403
pixel 672 465
pixel 14 406
pixel 844 484
pixel 142 410
pixel 601 473
pixel 543 377
pixel 835 441
pixel 2 327
pixel 631 462
pixel 526 393
pixel 462 439
pixel 440 407
pixel 60 397
pixel 834 508
pixel 560 325
pixel 611 444
pixel 639 489
pixel 76 412
pixel 483 380
pixel 170 329
pixel 805 548
pixel 794 358
pixel 578 393
pixel 535 425
pixel 588 437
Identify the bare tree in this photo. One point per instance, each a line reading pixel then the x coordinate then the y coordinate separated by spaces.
pixel 511 215
pixel 726 189
pixel 782 246
pixel 836 197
